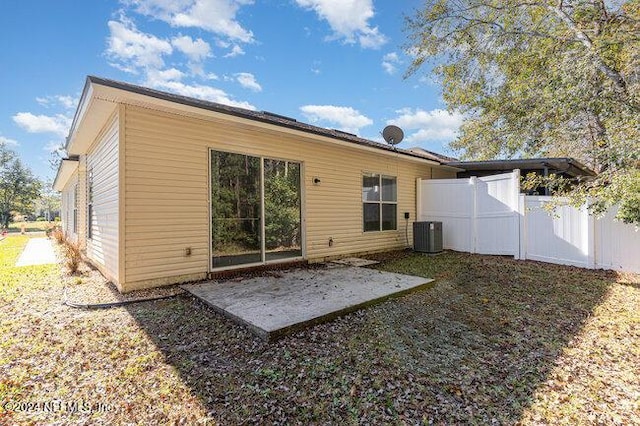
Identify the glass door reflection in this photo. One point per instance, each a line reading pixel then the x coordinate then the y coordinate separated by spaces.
pixel 235 209
pixel 282 214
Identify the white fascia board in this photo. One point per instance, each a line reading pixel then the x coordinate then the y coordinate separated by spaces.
pixel 66 169
pixel 83 106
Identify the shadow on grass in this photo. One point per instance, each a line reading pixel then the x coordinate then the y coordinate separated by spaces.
pixel 472 349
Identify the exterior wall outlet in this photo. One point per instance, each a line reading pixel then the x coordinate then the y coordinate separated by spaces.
pixel 187 251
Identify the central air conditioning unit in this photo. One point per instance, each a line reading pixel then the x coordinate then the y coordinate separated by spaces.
pixel 427 237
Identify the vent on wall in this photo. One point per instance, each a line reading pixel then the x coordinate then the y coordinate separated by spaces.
pixel 427 237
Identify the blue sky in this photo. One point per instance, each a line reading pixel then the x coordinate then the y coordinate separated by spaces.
pixel 333 63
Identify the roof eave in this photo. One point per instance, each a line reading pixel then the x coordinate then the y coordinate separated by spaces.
pixel 65 170
pixel 93 83
pixel 81 110
pixel 565 164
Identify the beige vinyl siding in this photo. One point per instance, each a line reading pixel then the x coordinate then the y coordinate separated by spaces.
pixel 166 190
pixel 102 160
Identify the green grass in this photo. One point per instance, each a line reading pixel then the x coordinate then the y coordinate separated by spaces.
pixel 493 341
pixel 20 280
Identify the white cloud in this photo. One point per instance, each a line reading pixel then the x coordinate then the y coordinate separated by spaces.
pixel 157 76
pixel 8 142
pixel 132 49
pixel 434 125
pixel 66 101
pixel 235 51
pixel 204 92
pixel 171 81
pixel 217 16
pixel 344 118
pixel 58 124
pixel 389 62
pixel 248 81
pixel 349 20
pixel 372 38
pixel 389 68
pixel 196 50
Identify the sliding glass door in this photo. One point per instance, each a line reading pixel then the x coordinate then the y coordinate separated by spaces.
pixel 255 210
pixel 282 209
pixel 235 209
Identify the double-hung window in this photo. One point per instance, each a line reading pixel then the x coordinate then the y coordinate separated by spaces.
pixel 379 202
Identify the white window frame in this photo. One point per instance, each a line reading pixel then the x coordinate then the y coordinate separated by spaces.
pixel 75 209
pixel 379 202
pixel 303 213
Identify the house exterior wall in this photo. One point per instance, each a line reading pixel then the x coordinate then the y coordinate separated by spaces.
pixel 82 202
pixel 102 162
pixel 166 191
pixel 66 210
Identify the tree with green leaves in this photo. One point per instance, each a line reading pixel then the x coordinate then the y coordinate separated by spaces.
pixel 50 201
pixel 18 187
pixel 542 78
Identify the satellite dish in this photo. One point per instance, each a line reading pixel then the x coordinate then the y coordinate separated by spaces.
pixel 393 134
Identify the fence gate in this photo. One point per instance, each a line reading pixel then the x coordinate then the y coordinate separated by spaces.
pixel 478 215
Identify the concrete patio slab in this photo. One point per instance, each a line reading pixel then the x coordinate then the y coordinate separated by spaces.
pixel 287 301
pixel 39 251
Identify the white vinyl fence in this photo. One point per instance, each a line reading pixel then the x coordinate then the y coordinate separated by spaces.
pixel 488 215
pixel 478 215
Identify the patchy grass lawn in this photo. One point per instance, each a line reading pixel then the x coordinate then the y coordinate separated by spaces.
pixel 494 341
pixel 18 281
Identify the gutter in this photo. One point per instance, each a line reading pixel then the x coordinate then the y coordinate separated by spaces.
pixel 264 117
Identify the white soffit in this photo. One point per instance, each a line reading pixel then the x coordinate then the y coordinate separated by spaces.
pixel 93 113
pixel 66 170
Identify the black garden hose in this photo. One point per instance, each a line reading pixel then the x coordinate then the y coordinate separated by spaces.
pixel 91 306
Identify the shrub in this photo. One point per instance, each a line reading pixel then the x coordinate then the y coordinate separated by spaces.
pixel 73 255
pixel 40 219
pixel 58 235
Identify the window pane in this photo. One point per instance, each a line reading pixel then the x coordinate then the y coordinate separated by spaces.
pixel 389 189
pixel 389 220
pixel 235 209
pixel 283 232
pixel 371 188
pixel 371 217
